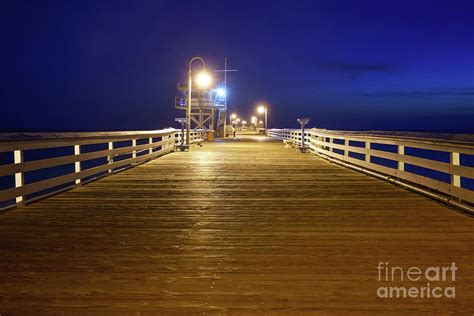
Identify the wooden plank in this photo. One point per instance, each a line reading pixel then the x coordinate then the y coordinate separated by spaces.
pixel 241 227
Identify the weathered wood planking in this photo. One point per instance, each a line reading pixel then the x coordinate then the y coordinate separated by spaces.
pixel 244 226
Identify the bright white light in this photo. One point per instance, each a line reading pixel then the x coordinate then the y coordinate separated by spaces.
pixel 221 92
pixel 244 122
pixel 261 109
pixel 254 119
pixel 233 116
pixel 203 79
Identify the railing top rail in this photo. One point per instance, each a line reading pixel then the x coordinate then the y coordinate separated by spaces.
pixel 76 135
pixel 9 141
pixel 444 139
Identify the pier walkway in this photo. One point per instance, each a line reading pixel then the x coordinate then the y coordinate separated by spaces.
pixel 243 226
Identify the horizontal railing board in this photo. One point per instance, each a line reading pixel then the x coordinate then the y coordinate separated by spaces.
pixel 19 143
pixel 437 185
pixel 318 142
pixel 463 171
pixel 53 182
pixel 432 144
pixel 63 160
pixel 76 139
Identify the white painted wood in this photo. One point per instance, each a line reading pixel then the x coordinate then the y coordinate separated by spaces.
pixel 150 141
pixel 18 159
pixel 346 147
pixel 401 151
pixel 134 144
pixel 77 164
pixel 455 161
pixel 111 155
pixel 367 154
pixel 454 168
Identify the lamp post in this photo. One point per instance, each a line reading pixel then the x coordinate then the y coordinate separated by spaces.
pixel 254 122
pixel 203 80
pixel 264 109
pixel 232 118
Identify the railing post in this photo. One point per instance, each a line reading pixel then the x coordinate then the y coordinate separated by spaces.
pixel 401 151
pixel 150 141
pixel 331 142
pixel 367 148
pixel 111 155
pixel 455 161
pixel 346 147
pixel 77 163
pixel 134 152
pixel 19 178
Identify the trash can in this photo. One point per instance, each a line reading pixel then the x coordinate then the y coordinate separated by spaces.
pixel 211 135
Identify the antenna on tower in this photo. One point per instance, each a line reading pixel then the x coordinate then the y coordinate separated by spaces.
pixel 225 71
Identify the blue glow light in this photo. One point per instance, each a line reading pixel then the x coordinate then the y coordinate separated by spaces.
pixel 221 92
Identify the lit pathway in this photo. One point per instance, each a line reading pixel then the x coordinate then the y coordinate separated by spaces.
pixel 245 226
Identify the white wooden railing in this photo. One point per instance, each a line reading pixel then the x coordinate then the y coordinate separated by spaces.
pixel 121 150
pixel 357 149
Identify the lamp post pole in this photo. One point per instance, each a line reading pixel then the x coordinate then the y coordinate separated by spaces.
pixel 263 109
pixel 188 110
pixel 266 122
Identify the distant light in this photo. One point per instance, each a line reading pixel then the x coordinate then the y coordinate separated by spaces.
pixel 254 119
pixel 244 122
pixel 261 109
pixel 203 79
pixel 233 116
pixel 237 120
pixel 221 92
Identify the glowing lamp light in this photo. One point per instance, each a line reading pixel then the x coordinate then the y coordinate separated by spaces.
pixel 221 92
pixel 233 116
pixel 261 109
pixel 203 79
pixel 244 122
pixel 254 119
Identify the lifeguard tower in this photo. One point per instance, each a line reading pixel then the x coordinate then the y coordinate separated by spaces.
pixel 207 105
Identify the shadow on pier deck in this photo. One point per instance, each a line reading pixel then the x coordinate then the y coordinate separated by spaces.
pixel 242 226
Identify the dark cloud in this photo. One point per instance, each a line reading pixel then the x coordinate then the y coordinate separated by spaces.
pixel 356 68
pixel 432 93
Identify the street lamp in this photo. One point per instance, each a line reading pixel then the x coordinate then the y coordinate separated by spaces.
pixel 232 118
pixel 264 109
pixel 203 80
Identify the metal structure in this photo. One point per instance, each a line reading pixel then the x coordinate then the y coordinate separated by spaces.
pixel 208 109
pixel 205 104
pixel 182 121
pixel 303 121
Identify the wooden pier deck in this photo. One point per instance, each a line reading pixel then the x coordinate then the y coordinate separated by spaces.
pixel 239 226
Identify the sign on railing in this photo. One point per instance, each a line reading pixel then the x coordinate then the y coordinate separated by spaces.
pixel 74 159
pixel 441 165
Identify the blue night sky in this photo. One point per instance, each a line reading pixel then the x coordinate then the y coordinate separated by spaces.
pixel 114 65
